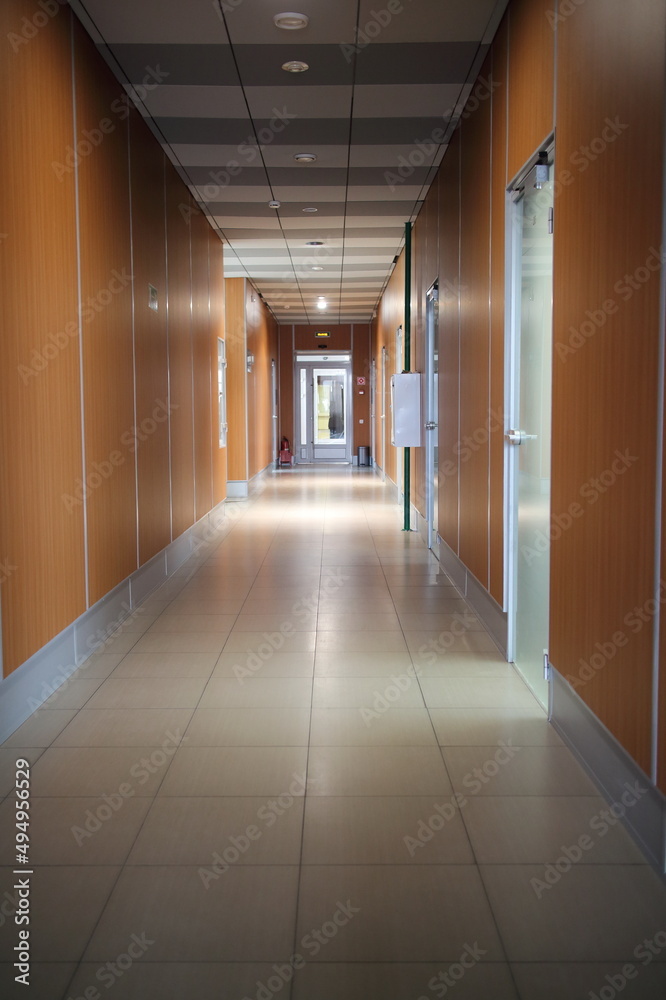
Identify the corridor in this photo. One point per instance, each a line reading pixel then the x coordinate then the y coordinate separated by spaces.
pixel 304 771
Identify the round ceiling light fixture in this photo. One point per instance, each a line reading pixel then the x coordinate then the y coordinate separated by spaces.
pixel 317 268
pixel 310 209
pixel 295 66
pixel 315 243
pixel 274 204
pixel 321 302
pixel 291 21
pixel 305 157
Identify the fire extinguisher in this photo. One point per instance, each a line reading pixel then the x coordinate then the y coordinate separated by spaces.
pixel 285 452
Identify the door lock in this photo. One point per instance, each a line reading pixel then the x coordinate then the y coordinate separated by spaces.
pixel 518 437
pixel 431 425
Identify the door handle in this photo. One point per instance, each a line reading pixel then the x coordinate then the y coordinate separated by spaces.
pixel 517 437
pixel 431 425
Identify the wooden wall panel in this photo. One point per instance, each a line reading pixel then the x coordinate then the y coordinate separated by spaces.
pixel 340 339
pixel 150 340
pixel 449 343
pixel 237 450
pixel 262 343
pixel 604 380
pixel 361 393
pixel 474 340
pixel 390 315
pixel 286 377
pixel 203 472
pixel 106 293
pixel 661 708
pixel 178 215
pixel 41 538
pixel 497 282
pixel 217 329
pixel 531 78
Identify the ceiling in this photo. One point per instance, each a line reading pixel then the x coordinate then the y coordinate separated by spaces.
pixel 385 83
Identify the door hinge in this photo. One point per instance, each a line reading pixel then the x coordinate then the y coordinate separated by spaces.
pixel 546 665
pixel 551 217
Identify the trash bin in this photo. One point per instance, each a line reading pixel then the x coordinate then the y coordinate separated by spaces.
pixel 363 455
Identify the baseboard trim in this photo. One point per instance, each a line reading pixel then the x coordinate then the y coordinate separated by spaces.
pixel 610 767
pixel 238 489
pixel 29 686
pixel 486 607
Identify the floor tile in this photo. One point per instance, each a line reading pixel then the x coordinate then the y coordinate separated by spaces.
pixel 400 690
pixel 40 729
pixel 275 693
pixel 348 621
pixel 592 913
pixel 583 980
pixel 361 664
pixel 192 831
pixel 436 911
pixel 380 831
pixel 476 692
pixel 144 692
pixel 94 771
pixel 47 980
pixel 176 980
pixel 360 642
pixel 402 981
pixel 80 893
pixel 124 727
pixel 376 771
pixel 76 831
pixel 278 664
pixel 346 727
pixel 234 770
pixel 263 643
pixel 167 665
pixel 8 759
pixel 181 642
pixel 295 621
pixel 212 727
pixel 426 643
pixel 488 726
pixel 224 921
pixel 511 770
pixel 169 622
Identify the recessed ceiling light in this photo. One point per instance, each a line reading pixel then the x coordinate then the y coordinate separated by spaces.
pixel 291 21
pixel 317 268
pixel 274 204
pixel 295 66
pixel 321 303
pixel 305 157
pixel 315 243
pixel 310 209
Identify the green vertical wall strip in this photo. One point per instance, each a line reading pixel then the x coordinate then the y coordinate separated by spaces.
pixel 408 364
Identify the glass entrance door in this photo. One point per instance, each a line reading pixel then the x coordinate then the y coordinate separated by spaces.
pixel 528 439
pixel 323 417
pixel 432 416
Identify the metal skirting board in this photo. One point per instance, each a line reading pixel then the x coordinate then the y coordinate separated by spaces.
pixel 611 768
pixel 28 687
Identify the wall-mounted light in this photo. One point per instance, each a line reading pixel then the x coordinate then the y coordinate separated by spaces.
pixel 250 361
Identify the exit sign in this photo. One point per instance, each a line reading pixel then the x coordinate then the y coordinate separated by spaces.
pixel 322 333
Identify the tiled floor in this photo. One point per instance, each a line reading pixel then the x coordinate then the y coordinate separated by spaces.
pixel 305 772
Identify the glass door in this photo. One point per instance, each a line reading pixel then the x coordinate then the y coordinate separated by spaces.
pixel 323 417
pixel 528 440
pixel 432 415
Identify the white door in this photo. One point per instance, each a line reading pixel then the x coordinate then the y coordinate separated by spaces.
pixel 323 418
pixel 274 406
pixel 528 437
pixel 432 415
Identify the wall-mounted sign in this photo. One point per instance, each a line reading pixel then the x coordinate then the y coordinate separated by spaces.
pixel 360 380
pixel 322 333
pixel 152 297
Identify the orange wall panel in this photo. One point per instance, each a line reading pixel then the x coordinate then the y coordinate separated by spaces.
pixel 262 344
pixel 178 215
pixel 361 393
pixel 150 340
pixel 531 78
pixel 41 537
pixel 237 450
pixel 106 293
pixel 201 360
pixel 217 329
pixel 340 339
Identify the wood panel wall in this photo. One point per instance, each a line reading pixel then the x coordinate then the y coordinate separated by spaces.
pixel 390 315
pixel 179 288
pixel 475 339
pixel 361 393
pixel 104 481
pixel 40 429
pixel 217 329
pixel 237 409
pixel 605 389
pixel 106 294
pixel 286 367
pixel 531 83
pixel 151 438
pixel 449 345
pixel 201 353
pixel 262 342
